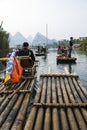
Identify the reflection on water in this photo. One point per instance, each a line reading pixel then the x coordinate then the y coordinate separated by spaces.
pixel 50 61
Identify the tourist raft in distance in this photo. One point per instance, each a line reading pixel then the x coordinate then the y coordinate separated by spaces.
pixel 40 54
pixel 41 51
pixel 63 59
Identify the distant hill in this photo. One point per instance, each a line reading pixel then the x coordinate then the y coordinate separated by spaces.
pixel 39 39
pixel 18 39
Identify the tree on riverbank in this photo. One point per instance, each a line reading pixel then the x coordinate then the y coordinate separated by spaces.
pixel 83 44
pixel 4 38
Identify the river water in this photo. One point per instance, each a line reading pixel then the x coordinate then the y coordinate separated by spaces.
pixel 49 63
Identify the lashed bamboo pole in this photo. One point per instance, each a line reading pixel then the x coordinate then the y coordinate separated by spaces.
pixel 82 97
pixel 55 117
pixel 82 88
pixel 4 104
pixel 20 87
pixel 10 118
pixel 59 75
pixel 12 91
pixel 14 110
pixel 64 120
pixel 59 105
pixel 40 115
pixel 71 117
pixel 2 98
pixel 32 116
pixel 47 119
pixel 69 91
pixel 8 106
pixel 5 113
pixel 19 121
pixel 78 118
pixel 74 92
pixel 62 114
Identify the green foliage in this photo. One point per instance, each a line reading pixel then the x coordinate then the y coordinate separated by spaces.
pixel 83 44
pixel 4 39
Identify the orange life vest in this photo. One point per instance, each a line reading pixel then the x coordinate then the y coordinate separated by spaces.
pixel 16 72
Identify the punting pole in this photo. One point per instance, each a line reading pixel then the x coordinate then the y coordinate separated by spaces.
pixel 46 34
pixel 66 70
pixel 76 54
pixel 49 70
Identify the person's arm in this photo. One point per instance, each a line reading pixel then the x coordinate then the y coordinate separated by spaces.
pixel 32 55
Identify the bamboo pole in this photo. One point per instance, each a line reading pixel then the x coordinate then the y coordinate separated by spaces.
pixel 66 70
pixel 59 75
pixel 55 117
pixel 12 114
pixel 4 114
pixel 32 116
pixel 21 86
pixel 40 114
pixel 82 97
pixel 47 118
pixel 19 121
pixel 12 91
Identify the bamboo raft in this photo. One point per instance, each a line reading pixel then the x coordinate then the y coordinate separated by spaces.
pixel 61 59
pixel 60 104
pixel 40 54
pixel 14 103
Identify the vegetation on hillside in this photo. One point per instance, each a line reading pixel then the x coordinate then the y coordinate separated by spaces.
pixel 83 44
pixel 4 39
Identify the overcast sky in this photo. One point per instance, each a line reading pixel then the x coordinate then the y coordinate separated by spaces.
pixel 64 18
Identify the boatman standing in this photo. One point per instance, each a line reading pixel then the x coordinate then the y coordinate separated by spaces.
pixel 70 46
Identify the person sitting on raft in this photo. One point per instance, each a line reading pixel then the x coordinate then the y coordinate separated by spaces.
pixel 25 51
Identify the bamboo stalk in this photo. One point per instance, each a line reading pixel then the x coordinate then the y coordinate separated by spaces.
pixel 13 112
pixel 16 90
pixel 32 116
pixel 47 118
pixel 12 91
pixel 59 75
pixel 55 117
pixel 60 104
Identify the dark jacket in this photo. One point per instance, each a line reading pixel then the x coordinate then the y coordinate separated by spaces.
pixel 71 43
pixel 26 52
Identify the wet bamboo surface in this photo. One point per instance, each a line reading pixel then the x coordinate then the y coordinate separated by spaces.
pixel 60 104
pixel 14 103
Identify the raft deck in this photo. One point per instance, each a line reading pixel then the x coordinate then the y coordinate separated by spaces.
pixel 14 103
pixel 60 104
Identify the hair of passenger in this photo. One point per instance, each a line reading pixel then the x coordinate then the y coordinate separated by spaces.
pixel 25 44
pixel 71 37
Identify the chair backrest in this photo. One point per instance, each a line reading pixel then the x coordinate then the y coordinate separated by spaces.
pixel 26 61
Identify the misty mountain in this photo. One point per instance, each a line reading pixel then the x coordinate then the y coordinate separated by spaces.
pixel 18 39
pixel 39 39
pixel 30 38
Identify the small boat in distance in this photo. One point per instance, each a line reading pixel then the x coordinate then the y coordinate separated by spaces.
pixel 62 59
pixel 62 56
pixel 42 51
